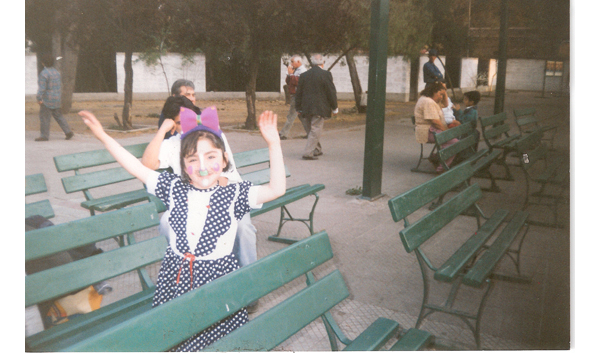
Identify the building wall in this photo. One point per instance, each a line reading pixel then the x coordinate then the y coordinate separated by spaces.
pixel 522 74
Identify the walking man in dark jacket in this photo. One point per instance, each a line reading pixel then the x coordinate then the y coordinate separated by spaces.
pixel 316 100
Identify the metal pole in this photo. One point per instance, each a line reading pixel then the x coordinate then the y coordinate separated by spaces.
pixel 378 43
pixel 502 59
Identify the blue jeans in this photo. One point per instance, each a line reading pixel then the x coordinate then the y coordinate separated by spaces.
pixel 45 114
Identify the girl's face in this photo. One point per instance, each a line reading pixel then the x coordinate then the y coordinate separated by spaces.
pixel 205 166
pixel 437 96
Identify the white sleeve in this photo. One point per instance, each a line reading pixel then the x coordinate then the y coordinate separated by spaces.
pixel 252 196
pixel 168 155
pixel 152 182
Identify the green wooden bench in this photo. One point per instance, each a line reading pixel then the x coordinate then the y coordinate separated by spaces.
pixel 421 158
pixel 474 261
pixel 496 134
pixel 480 159
pixel 59 281
pixel 253 166
pixel 551 177
pixel 163 327
pixel 527 123
pixel 36 184
pixel 86 181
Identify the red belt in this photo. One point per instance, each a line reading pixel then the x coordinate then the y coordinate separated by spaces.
pixel 192 259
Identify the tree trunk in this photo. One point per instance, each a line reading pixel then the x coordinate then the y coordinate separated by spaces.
pixel 128 89
pixel 251 93
pixel 66 48
pixel 356 87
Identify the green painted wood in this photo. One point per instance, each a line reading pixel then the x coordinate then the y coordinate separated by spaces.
pixel 42 208
pixel 464 144
pixel 117 201
pixel 287 198
pixel 486 263
pixel 284 320
pixel 252 157
pixel 493 119
pixel 408 202
pixel 60 237
pixel 524 112
pixel 413 340
pixel 263 176
pixel 35 184
pixel 496 131
pixel 169 324
pixel 529 120
pixel 58 337
pixel 420 231
pixel 375 336
pixel 94 158
pixel 61 280
pixel 455 132
pixel 459 260
pixel 486 159
pixel 96 179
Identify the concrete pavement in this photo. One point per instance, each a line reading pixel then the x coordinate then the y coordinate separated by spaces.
pixel 383 279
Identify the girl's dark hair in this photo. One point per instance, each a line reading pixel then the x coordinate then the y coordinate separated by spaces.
pixel 432 88
pixel 189 146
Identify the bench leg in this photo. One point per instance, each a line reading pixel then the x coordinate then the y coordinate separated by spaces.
pixel 308 222
pixel 421 158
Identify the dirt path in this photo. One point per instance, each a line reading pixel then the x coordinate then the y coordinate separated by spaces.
pixel 232 114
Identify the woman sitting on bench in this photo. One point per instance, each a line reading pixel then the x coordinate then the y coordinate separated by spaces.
pixel 429 118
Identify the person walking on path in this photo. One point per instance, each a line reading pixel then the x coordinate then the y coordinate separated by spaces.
pixel 295 69
pixel 316 99
pixel 48 97
pixel 431 73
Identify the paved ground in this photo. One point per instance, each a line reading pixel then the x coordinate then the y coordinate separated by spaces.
pixel 383 279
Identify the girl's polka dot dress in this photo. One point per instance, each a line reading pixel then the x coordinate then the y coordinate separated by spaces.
pixel 206 219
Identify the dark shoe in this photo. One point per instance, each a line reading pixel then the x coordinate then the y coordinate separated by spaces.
pixel 69 136
pixel 41 139
pixel 318 153
pixel 310 158
pixel 282 137
pixel 252 308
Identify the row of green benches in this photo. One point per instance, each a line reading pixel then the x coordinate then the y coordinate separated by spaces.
pixel 253 166
pixel 131 325
pixel 527 151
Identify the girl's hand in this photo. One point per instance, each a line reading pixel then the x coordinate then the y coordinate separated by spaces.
pixel 267 123
pixel 90 120
pixel 168 125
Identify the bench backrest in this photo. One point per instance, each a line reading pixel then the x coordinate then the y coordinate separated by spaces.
pixel 35 184
pixel 494 126
pixel 61 280
pixel 525 117
pixel 465 143
pixel 531 149
pixel 405 204
pixel 170 323
pixel 84 181
pixel 244 161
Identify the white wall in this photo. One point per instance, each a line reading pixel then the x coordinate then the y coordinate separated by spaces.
pixel 521 74
pixel 468 73
pixel 152 78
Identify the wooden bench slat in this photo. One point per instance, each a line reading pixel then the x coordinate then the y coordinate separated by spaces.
pixel 485 159
pixel 406 203
pixel 417 233
pixel 287 198
pixel 117 201
pixel 375 336
pixel 413 340
pixel 60 237
pixel 57 281
pixel 262 176
pixel 42 208
pixel 78 327
pixel 457 262
pixel 195 308
pixel 75 161
pixel 35 184
pixel 484 266
pixel 274 327
pixel 252 157
pixel 96 179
